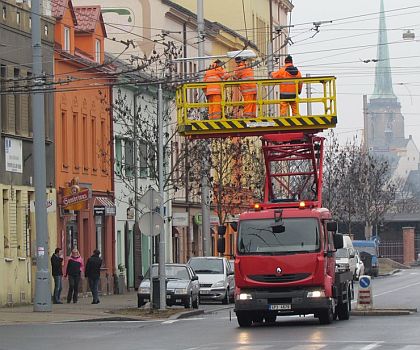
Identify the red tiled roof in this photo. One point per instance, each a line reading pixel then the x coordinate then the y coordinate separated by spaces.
pixel 59 6
pixel 87 17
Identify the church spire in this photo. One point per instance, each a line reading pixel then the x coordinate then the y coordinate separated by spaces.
pixel 383 78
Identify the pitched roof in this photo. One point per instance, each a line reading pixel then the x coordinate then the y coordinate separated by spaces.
pixel 59 7
pixel 87 17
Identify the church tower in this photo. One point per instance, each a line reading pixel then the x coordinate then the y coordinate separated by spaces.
pixel 384 121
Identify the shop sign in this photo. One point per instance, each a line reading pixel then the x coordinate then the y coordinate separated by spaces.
pixel 214 220
pixel 75 197
pixel 51 206
pixel 99 211
pixel 180 219
pixel 13 155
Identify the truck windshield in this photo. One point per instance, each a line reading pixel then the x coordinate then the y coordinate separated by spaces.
pixel 257 237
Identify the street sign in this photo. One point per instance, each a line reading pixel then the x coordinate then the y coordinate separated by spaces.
pixel 151 223
pixel 364 297
pixel 151 199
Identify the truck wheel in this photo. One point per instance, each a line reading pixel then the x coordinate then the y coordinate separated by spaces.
pixel 326 316
pixel 243 320
pixel 343 309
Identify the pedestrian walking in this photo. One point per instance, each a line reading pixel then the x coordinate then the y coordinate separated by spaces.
pixel 243 71
pixel 213 92
pixel 57 273
pixel 93 272
pixel 74 272
pixel 288 89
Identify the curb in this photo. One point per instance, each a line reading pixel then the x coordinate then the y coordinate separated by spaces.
pixel 191 313
pixel 383 312
pixel 391 272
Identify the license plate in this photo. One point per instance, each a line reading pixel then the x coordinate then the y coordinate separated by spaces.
pixel 280 307
pixel 178 300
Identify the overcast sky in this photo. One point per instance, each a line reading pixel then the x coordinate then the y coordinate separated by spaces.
pixel 340 47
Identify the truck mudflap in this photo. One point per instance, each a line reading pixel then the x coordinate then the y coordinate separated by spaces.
pixel 302 301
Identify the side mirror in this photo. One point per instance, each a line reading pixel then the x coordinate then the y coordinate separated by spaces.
pixel 352 255
pixel 194 278
pixel 332 226
pixel 221 245
pixel 338 241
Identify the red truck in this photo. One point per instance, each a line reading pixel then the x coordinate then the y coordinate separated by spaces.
pixel 285 251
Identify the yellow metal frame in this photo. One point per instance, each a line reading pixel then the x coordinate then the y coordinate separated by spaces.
pixel 192 119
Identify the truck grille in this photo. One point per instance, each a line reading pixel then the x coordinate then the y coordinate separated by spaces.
pixel 279 279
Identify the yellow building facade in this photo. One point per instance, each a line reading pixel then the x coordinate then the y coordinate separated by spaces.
pixel 18 242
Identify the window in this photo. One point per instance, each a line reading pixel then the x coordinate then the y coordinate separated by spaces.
pixel 6 231
pixel 100 235
pixel 97 51
pixel 3 99
pixel 76 141
pixel 84 143
pixel 17 97
pixel 103 151
pixel 18 17
pixel 4 15
pixel 129 158
pixel 66 39
pixel 93 140
pixel 64 139
pixel 143 159
pixel 46 30
pixel 30 22
pixel 118 156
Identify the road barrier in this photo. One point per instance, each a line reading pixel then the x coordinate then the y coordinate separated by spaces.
pixel 365 296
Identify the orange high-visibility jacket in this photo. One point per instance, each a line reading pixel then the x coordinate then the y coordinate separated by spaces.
pixel 243 72
pixel 215 73
pixel 289 71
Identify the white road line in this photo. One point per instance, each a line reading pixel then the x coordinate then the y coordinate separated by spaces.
pixel 370 346
pixel 410 347
pixel 308 347
pixel 396 289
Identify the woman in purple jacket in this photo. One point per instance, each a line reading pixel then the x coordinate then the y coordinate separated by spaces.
pixel 74 271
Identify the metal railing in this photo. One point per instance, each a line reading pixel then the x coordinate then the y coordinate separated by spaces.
pixel 317 112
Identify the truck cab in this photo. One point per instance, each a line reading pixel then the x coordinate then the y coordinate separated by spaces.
pixel 285 265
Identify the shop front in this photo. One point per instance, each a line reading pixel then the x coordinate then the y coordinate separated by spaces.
pixel 86 223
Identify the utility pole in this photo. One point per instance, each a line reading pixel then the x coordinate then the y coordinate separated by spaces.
pixel 162 241
pixel 270 60
pixel 205 187
pixel 42 284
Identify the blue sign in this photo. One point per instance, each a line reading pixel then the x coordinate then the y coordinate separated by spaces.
pixel 364 282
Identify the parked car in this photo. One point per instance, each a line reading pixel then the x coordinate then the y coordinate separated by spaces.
pixel 215 275
pixel 345 257
pixel 360 267
pixel 182 286
pixel 368 250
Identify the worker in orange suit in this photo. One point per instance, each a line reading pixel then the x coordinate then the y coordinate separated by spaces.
pixel 243 71
pixel 288 89
pixel 213 91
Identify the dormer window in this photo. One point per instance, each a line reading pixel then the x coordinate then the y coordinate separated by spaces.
pixel 66 39
pixel 97 51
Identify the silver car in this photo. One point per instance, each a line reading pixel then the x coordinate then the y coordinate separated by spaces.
pixel 182 286
pixel 215 275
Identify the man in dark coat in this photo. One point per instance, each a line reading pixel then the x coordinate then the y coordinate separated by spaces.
pixel 93 272
pixel 57 273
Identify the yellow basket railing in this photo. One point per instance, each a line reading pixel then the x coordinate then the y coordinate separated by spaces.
pixel 315 108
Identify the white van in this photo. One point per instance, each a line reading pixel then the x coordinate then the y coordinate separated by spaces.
pixel 345 258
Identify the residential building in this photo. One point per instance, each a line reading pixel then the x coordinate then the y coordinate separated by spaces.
pixel 17 193
pixel 84 152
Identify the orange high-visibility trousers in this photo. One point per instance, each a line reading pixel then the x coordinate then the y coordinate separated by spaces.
pixel 284 108
pixel 215 109
pixel 249 108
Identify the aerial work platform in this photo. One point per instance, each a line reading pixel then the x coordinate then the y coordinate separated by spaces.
pixel 316 108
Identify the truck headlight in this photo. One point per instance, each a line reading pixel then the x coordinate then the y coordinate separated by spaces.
pixel 181 291
pixel 220 284
pixel 316 294
pixel 244 296
pixel 144 290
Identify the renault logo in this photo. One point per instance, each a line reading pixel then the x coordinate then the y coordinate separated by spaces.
pixel 278 270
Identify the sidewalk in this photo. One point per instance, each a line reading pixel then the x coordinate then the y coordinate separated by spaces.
pixel 83 310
